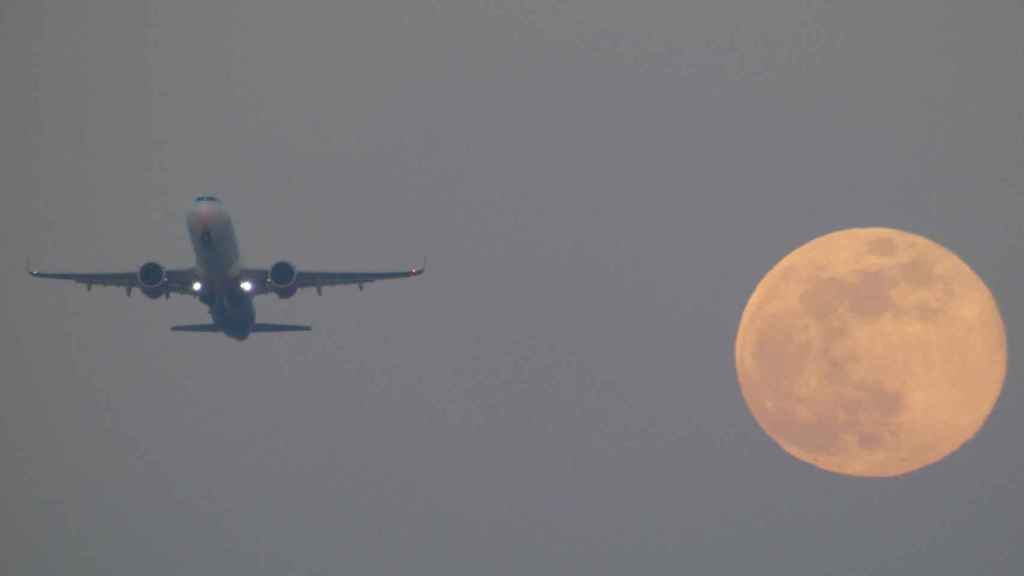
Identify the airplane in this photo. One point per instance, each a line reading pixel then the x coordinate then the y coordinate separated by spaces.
pixel 220 281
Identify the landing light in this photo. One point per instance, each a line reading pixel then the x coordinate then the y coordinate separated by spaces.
pixel 197 286
pixel 246 286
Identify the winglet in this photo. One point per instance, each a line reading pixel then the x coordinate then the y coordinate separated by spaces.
pixel 28 268
pixel 421 269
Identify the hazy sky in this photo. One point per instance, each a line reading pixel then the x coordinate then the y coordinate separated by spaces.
pixel 597 184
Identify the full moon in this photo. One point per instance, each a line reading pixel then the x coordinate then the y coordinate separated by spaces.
pixel 871 352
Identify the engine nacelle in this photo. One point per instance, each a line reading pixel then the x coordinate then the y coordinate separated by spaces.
pixel 152 279
pixel 282 279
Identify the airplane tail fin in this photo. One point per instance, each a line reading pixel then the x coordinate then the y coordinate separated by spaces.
pixel 258 327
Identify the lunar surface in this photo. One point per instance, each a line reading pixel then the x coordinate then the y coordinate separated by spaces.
pixel 871 352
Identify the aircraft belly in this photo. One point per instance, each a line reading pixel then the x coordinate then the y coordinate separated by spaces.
pixel 235 314
pixel 218 266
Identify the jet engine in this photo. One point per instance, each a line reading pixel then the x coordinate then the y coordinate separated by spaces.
pixel 282 279
pixel 152 279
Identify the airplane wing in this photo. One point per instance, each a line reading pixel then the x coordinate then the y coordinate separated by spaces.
pixel 178 281
pixel 320 279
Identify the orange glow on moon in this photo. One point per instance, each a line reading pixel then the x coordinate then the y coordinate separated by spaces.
pixel 871 352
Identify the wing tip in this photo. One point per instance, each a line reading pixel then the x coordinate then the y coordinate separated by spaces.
pixel 421 269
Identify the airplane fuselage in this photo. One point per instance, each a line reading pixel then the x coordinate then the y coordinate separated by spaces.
pixel 218 267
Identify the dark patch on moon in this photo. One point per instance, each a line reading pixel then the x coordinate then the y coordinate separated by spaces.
pixel 868 296
pixel 871 414
pixel 871 294
pixel 867 440
pixel 865 413
pixel 919 272
pixel 780 355
pixel 846 410
pixel 882 247
pixel 818 435
pixel 885 404
pixel 823 298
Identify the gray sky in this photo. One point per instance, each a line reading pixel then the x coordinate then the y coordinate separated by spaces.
pixel 598 186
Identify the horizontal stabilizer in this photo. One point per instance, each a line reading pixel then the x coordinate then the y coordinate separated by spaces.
pixel 255 328
pixel 280 328
pixel 196 328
